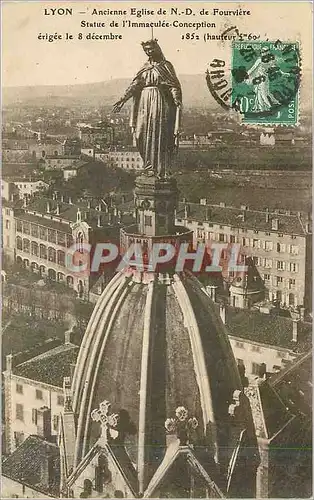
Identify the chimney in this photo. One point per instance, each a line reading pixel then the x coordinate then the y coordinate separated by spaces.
pixel 302 313
pixel 120 216
pixel 9 362
pixel 44 422
pixel 222 204
pixel 203 201
pixel 67 336
pixel 267 218
pixel 70 200
pixel 262 371
pixel 109 217
pixel 58 209
pixel 244 207
pixel 78 215
pixel 222 312
pixel 25 201
pixel 307 227
pixel 62 198
pixel 98 220
pixel 275 224
pixel 115 211
pixel 89 204
pixel 186 211
pixel 295 330
pixel 48 207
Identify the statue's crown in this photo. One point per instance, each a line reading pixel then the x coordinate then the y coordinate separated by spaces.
pixel 153 41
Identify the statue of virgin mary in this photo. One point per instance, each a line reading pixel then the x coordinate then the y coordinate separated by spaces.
pixel 155 117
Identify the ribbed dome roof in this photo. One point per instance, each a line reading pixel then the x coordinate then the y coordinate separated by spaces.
pixel 154 343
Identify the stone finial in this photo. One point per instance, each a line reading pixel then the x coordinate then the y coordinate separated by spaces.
pixel 181 425
pixel 108 422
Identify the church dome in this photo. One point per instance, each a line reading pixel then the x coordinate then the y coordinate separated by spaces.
pixel 153 343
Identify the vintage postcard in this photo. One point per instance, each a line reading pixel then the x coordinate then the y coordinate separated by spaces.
pixel 157 249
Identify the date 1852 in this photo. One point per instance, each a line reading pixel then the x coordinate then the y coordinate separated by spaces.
pixel 190 36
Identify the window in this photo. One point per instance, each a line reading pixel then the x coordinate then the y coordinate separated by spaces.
pixel 239 344
pixel 221 237
pixel 148 220
pixel 294 249
pixel 19 226
pixel 39 394
pixel 19 388
pixel 18 438
pixel 34 230
pixel 240 362
pixel 232 238
pixel 7 224
pixel 268 246
pixel 280 235
pixel 256 243
pixel 280 265
pixel 256 261
pixel 293 267
pixel 60 400
pixel 34 416
pixel 291 283
pixel 256 367
pixel 279 280
pixel 268 263
pixel 55 422
pixel 276 368
pixel 19 412
pixel 266 277
pixel 255 231
pixel 267 234
pixel 281 247
pixel 256 348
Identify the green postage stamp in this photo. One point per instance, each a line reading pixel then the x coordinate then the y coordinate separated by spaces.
pixel 265 81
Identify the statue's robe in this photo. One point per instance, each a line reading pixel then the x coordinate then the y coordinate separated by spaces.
pixel 154 117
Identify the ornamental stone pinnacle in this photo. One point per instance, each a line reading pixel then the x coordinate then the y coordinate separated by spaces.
pixel 181 425
pixel 107 421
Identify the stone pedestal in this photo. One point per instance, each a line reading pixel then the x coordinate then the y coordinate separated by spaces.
pixel 155 204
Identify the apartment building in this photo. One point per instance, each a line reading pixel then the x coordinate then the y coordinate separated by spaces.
pixel 34 379
pixel 126 158
pixel 279 242
pixel 39 236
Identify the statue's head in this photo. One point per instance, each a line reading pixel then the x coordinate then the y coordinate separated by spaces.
pixel 153 50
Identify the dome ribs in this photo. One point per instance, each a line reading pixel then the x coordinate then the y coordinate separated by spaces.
pixel 142 427
pixel 199 360
pixel 95 335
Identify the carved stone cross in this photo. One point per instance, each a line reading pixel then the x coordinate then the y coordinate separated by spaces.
pixel 107 421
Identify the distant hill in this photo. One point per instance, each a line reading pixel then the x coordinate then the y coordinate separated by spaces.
pixel 101 93
pixel 195 92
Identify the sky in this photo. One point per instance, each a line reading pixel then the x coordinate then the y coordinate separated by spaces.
pixel 26 60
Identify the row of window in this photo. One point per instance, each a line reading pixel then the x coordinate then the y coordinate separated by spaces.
pixel 44 233
pixel 39 394
pixel 279 280
pixel 238 230
pixel 41 251
pixel 280 265
pixel 19 414
pixel 257 368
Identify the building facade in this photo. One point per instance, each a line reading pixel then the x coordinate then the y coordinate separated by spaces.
pixel 280 243
pixel 127 158
pixel 34 381
pixel 46 230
